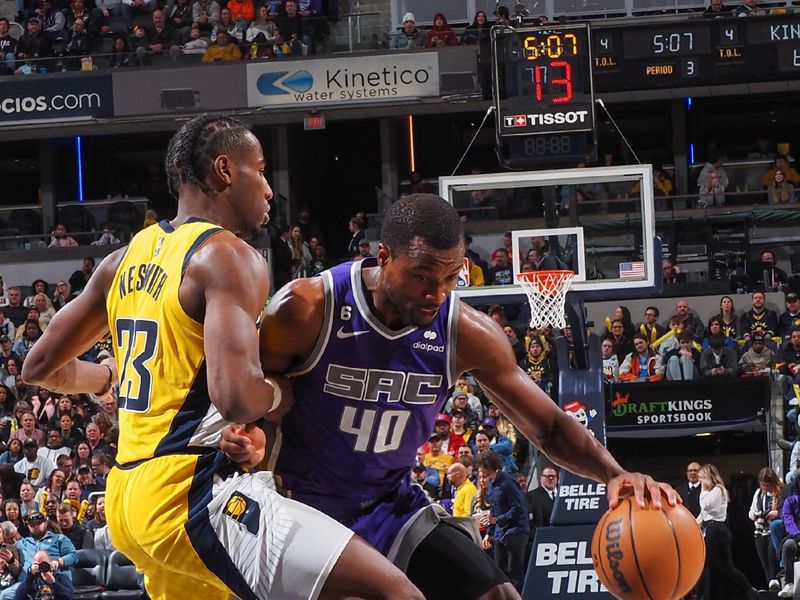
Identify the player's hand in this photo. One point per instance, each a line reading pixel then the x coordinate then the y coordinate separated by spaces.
pixel 245 445
pixel 644 488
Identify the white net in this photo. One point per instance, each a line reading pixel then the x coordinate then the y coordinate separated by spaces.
pixel 546 291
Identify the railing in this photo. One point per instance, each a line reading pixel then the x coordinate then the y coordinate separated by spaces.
pixel 34 241
pixel 23 227
pixel 346 33
pixel 462 12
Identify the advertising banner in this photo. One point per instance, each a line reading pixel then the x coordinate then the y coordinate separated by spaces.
pixel 561 566
pixel 708 404
pixel 581 395
pixel 34 98
pixel 343 80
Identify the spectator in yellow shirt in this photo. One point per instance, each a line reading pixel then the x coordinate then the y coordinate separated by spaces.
pixel 465 489
pixel 222 50
pixel 437 459
pixel 781 164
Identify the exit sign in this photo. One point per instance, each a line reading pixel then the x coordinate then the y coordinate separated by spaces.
pixel 314 122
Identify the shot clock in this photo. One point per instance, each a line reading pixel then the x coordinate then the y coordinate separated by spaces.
pixel 544 102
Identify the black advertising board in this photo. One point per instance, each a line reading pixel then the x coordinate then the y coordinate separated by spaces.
pixel 52 97
pixel 709 404
pixel 696 52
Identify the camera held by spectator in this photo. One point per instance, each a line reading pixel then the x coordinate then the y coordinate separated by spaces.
pixel 44 582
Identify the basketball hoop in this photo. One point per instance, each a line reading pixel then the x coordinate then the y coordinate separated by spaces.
pixel 546 291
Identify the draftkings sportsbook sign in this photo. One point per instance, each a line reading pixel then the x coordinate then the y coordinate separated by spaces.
pixel 710 403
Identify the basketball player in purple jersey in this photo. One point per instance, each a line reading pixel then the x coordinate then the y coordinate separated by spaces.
pixel 372 348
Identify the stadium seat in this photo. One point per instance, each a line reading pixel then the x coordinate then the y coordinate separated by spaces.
pixel 26 220
pixel 9 244
pixel 77 218
pixel 105 46
pixel 794 260
pixel 125 218
pixel 89 574
pixel 117 24
pixel 121 579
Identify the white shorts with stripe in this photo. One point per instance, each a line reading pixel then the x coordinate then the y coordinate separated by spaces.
pixel 282 549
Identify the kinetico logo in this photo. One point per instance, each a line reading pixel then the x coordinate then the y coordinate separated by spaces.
pixel 299 81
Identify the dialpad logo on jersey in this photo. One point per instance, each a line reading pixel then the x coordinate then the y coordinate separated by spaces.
pixel 571 117
pixel 426 346
pixel 243 510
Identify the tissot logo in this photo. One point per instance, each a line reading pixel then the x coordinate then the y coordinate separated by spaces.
pixel 571 117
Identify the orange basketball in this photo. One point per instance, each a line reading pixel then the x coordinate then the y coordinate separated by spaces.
pixel 648 554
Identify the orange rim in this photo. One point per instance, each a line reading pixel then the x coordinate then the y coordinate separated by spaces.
pixel 548 281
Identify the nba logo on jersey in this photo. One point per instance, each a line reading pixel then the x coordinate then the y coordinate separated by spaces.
pixel 159 242
pixel 463 276
pixel 243 510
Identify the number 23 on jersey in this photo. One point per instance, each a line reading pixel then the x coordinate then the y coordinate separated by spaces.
pixel 137 340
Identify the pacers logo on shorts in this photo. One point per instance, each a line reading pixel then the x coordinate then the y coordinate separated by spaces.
pixel 243 510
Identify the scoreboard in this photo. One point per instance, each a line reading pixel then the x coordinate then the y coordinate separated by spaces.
pixel 696 52
pixel 544 96
pixel 545 78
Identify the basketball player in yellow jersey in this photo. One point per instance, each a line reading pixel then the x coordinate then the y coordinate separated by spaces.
pixel 181 302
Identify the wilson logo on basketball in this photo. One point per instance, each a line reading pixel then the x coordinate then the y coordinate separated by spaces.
pixel 614 554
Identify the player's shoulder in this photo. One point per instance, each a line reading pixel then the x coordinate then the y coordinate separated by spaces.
pixel 107 269
pixel 472 323
pixel 298 301
pixel 481 341
pixel 224 255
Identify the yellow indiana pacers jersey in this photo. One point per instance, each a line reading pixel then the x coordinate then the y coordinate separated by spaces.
pixel 164 406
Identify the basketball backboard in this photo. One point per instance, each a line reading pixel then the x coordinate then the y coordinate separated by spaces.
pixel 598 222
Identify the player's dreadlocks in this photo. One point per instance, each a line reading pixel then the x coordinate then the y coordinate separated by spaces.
pixel 194 147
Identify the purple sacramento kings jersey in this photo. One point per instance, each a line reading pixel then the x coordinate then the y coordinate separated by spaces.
pixel 365 400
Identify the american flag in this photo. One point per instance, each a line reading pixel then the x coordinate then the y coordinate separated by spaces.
pixel 631 270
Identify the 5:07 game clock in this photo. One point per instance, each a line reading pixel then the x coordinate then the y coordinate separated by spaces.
pixel 544 98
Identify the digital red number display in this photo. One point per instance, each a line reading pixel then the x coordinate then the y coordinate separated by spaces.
pixel 553 78
pixel 565 81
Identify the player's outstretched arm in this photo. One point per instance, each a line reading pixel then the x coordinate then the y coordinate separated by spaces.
pixel 290 329
pixel 484 351
pixel 225 287
pixel 52 362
